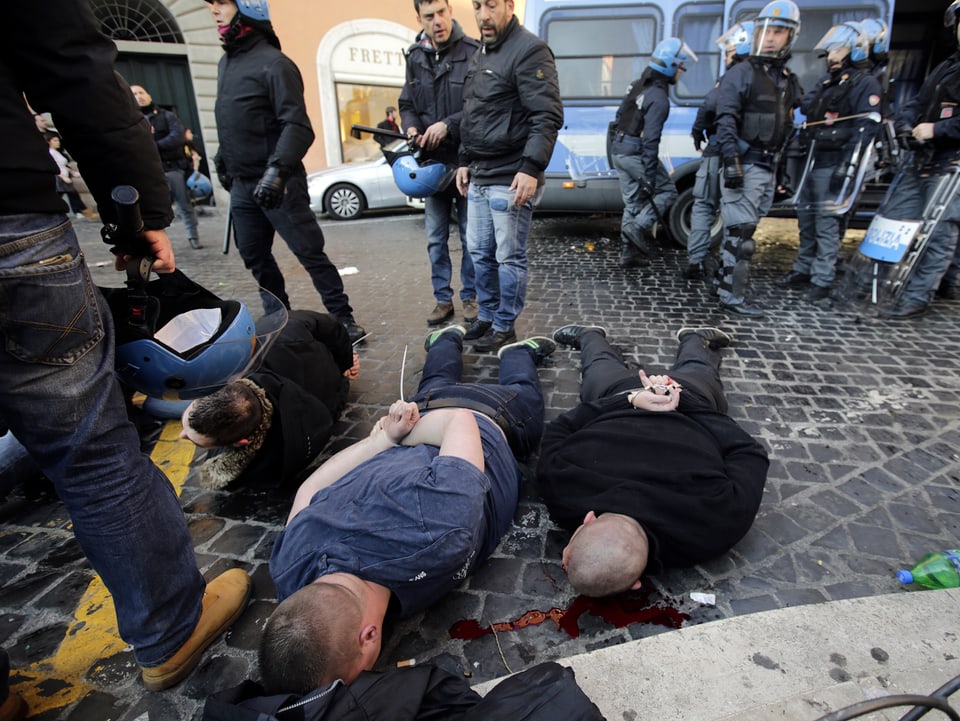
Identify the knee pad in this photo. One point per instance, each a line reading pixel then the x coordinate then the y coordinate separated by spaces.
pixel 748 246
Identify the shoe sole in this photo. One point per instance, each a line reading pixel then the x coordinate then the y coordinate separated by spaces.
pixel 438 321
pixel 695 329
pixel 178 674
pixel 576 344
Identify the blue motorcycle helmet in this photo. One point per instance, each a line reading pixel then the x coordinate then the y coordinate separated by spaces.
pixel 877 36
pixel 177 341
pixel 257 10
pixel 737 40
pixel 776 14
pixel 669 56
pixel 848 36
pixel 415 178
pixel 199 186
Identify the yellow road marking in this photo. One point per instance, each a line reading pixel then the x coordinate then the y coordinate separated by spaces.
pixel 92 635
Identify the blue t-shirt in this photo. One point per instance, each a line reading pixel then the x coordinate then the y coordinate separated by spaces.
pixel 408 519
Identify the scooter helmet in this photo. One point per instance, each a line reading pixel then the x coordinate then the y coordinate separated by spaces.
pixel 670 55
pixel 199 186
pixel 738 38
pixel 251 9
pixel 877 36
pixel 849 35
pixel 776 14
pixel 420 180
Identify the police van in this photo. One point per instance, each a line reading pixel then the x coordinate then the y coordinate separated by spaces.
pixel 602 45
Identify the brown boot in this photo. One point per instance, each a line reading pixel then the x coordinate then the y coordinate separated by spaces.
pixel 442 312
pixel 223 602
pixel 470 310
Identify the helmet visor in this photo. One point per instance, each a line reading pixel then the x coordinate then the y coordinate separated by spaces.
pixel 772 38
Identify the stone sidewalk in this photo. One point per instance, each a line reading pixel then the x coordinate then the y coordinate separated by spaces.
pixel 861 420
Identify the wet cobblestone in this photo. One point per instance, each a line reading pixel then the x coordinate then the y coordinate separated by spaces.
pixel 861 420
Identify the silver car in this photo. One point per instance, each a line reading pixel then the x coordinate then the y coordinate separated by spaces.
pixel 345 191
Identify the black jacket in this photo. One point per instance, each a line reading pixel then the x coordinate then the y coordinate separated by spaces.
pixel 261 116
pixel 512 110
pixel 434 89
pixel 66 67
pixel 170 137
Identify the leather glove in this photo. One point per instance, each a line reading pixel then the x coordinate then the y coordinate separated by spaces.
pixel 905 137
pixel 732 173
pixel 225 181
pixel 269 190
pixel 699 137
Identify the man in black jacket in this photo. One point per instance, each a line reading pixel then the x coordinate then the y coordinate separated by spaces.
pixel 512 113
pixel 264 134
pixel 648 472
pixel 431 104
pixel 59 395
pixel 274 422
pixel 171 139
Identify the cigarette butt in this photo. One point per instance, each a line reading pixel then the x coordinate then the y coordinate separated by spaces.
pixel 406 663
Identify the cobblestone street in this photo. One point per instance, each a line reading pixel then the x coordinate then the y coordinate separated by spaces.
pixel 861 420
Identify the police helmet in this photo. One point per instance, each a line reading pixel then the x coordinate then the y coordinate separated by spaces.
pixel 776 14
pixel 199 186
pixel 876 30
pixel 420 180
pixel 738 38
pixel 178 341
pixel 670 55
pixel 252 9
pixel 849 35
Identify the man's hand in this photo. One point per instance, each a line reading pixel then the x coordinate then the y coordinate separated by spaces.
pixel 698 139
pixel 732 173
pixel 526 187
pixel 400 420
pixel 434 135
pixel 225 181
pixel 923 132
pixel 160 248
pixel 463 180
pixel 269 190
pixel 660 393
pixel 353 372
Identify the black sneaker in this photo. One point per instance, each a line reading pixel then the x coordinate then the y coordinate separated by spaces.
pixel 743 308
pixel 433 335
pixel 714 337
pixel 541 347
pixel 570 334
pixel 356 332
pixel 494 340
pixel 477 329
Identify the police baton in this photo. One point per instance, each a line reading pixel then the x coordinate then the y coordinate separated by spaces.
pixel 228 230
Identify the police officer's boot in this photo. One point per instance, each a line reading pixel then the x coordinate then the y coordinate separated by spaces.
pixel 629 256
pixel 738 249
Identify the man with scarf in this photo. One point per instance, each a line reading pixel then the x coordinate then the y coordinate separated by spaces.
pixel 264 134
pixel 271 424
pixel 431 104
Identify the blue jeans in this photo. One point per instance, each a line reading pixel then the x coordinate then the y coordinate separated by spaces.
pixel 181 196
pixel 254 228
pixel 697 368
pixel 16 466
pixel 517 402
pixel 60 399
pixel 497 238
pixel 437 219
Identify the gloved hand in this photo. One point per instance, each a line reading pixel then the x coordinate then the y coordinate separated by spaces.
pixel 699 138
pixel 225 181
pixel 732 173
pixel 905 137
pixel 646 191
pixel 269 190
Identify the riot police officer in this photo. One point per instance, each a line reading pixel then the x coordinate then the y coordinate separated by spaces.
pixel 635 150
pixel 843 115
pixel 930 126
pixel 753 123
pixel 735 43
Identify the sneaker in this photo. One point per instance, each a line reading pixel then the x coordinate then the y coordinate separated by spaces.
pixel 743 308
pixel 441 312
pixel 13 709
pixel 815 293
pixel 477 329
pixel 470 310
pixel 570 334
pixel 223 601
pixel 541 347
pixel 494 340
pixel 356 332
pixel 793 279
pixel 433 335
pixel 713 337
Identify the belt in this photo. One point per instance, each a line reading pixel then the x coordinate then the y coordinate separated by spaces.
pixel 471 405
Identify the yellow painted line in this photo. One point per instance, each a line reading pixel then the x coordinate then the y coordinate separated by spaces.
pixel 92 635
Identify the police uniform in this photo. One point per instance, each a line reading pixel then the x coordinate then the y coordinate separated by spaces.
pixel 847 92
pixel 706 187
pixel 635 152
pixel 753 122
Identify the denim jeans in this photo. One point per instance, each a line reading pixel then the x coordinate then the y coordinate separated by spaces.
pixel 16 466
pixel 697 368
pixel 438 209
pixel 517 400
pixel 61 400
pixel 497 237
pixel 254 228
pixel 181 196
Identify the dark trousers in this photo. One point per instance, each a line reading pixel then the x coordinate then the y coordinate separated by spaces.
pixel 516 404
pixel 254 228
pixel 696 369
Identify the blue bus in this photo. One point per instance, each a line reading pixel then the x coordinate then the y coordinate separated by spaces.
pixel 602 45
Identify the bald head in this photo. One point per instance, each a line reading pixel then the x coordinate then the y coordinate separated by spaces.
pixel 606 555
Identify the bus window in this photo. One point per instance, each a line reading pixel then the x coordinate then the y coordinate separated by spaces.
pixel 699 26
pixel 598 57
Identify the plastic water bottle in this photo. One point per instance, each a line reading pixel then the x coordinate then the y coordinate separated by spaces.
pixel 935 570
